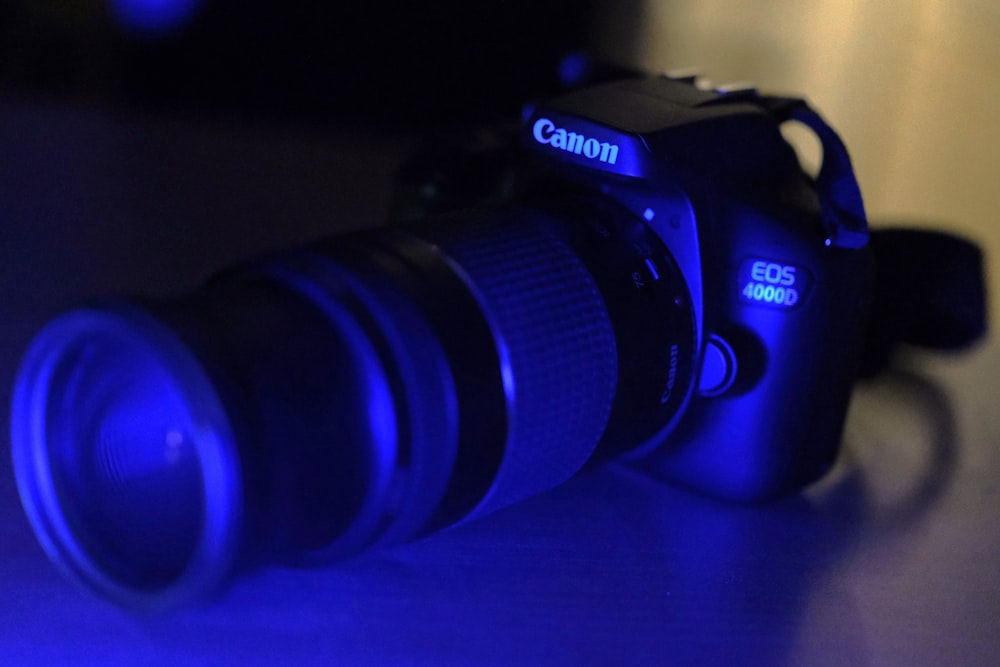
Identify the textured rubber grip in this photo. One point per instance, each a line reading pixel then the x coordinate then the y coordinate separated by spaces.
pixel 556 346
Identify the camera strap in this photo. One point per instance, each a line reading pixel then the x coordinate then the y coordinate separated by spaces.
pixel 840 196
pixel 929 285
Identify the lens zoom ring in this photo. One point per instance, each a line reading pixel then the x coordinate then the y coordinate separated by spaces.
pixel 557 348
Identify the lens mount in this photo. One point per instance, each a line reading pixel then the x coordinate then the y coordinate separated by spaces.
pixel 125 459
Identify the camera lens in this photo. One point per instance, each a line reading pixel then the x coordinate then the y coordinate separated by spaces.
pixel 354 393
pixel 124 457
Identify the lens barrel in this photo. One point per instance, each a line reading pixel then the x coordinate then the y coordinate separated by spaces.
pixel 354 393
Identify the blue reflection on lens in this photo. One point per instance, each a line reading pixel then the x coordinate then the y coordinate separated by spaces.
pixel 123 464
pixel 125 460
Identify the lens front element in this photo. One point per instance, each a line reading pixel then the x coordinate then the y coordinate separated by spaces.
pixel 125 460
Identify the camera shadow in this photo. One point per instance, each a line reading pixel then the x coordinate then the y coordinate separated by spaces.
pixel 615 567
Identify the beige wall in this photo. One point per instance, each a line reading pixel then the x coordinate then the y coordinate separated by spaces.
pixel 913 86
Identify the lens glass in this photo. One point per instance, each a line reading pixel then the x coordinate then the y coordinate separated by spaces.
pixel 125 468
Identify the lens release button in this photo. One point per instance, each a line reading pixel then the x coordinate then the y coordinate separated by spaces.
pixel 718 367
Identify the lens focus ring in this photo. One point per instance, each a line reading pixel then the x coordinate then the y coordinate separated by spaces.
pixel 556 346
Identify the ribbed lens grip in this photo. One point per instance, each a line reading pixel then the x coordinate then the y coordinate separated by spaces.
pixel 556 346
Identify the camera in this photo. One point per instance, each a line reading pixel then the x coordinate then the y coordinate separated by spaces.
pixel 639 270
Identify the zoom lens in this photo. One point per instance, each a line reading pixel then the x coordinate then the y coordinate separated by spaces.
pixel 354 393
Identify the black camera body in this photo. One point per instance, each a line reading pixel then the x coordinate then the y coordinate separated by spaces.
pixel 642 270
pixel 775 266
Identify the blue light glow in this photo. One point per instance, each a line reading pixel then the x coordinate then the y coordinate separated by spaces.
pixel 574 70
pixel 652 269
pixel 153 17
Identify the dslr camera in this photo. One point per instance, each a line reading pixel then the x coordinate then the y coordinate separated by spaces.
pixel 640 270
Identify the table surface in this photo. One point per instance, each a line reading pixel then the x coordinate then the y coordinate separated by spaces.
pixel 894 559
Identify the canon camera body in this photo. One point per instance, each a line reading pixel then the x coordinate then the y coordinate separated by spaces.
pixel 642 271
pixel 769 272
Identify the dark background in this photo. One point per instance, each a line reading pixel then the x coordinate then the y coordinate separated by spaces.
pixel 399 62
